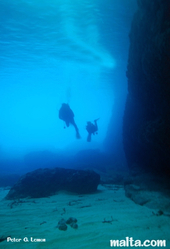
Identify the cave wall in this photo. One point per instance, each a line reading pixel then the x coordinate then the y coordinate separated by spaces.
pixel 146 122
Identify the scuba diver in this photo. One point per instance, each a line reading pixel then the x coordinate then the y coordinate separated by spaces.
pixel 91 129
pixel 67 115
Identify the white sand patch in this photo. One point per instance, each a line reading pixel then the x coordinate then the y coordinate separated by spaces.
pixel 38 218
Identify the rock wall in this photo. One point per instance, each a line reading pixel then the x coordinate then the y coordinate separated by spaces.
pixel 146 124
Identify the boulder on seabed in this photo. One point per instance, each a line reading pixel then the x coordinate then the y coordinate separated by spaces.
pixel 46 182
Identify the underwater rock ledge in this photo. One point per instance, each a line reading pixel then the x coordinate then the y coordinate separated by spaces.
pixel 146 124
pixel 150 191
pixel 46 182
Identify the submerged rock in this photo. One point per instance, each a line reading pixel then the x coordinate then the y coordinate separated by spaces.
pixel 72 222
pixel 46 182
pixel 62 225
pixel 74 225
pixel 150 191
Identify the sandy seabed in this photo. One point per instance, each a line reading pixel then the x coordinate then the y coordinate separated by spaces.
pixel 103 216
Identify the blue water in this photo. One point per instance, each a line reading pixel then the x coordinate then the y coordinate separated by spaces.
pixel 59 51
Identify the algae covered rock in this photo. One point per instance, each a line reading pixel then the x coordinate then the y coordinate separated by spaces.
pixel 46 182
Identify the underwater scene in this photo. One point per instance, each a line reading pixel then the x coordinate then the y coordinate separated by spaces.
pixel 84 124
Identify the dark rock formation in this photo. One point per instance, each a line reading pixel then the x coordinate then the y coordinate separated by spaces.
pixel 72 222
pixel 62 225
pixel 46 182
pixel 146 128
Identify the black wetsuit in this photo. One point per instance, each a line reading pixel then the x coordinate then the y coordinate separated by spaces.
pixel 91 129
pixel 67 115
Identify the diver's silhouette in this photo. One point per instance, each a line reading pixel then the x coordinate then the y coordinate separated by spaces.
pixel 67 115
pixel 91 129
